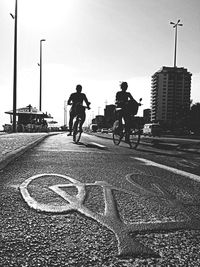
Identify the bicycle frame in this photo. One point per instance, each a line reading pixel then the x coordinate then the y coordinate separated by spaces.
pixel 132 137
pixel 77 131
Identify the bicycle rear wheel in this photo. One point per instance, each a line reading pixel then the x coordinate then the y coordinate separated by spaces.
pixel 76 132
pixel 134 138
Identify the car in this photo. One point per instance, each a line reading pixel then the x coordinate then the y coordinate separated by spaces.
pixel 104 130
pixel 152 129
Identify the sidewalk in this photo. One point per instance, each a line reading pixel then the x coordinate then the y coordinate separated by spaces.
pixel 15 144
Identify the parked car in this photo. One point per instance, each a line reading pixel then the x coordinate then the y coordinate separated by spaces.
pixel 94 128
pixel 152 129
pixel 104 130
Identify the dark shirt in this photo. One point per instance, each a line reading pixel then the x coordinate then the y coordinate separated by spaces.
pixel 77 98
pixel 122 98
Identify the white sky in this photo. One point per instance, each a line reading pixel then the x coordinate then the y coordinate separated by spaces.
pixel 96 43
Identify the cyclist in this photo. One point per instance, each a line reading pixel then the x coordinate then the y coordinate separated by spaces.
pixel 76 100
pixel 125 101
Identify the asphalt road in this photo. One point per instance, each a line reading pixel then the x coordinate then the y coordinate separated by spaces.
pixel 100 205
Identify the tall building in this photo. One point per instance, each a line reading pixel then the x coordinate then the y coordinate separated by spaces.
pixel 99 120
pixel 170 93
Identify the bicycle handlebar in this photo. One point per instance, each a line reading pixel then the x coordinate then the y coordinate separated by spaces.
pixel 80 105
pixel 129 101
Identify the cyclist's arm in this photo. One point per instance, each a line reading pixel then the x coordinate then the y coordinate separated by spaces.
pixel 86 101
pixel 132 99
pixel 117 99
pixel 130 96
pixel 69 102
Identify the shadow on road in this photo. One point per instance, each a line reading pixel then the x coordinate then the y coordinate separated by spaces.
pixel 163 153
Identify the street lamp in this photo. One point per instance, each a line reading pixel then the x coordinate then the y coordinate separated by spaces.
pixel 15 70
pixel 175 75
pixel 40 104
pixel 99 110
pixel 175 26
pixel 65 113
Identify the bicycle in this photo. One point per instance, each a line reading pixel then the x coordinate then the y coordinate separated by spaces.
pixel 135 132
pixel 77 127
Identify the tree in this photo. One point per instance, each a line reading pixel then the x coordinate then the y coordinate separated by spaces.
pixel 182 122
pixel 195 118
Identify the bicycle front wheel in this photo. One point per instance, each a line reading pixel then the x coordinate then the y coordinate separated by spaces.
pixel 134 138
pixel 76 133
pixel 117 137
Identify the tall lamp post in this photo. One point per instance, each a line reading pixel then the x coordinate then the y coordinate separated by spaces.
pixel 40 64
pixel 65 113
pixel 175 26
pixel 15 70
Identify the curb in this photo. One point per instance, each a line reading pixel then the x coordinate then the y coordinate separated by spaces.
pixel 11 156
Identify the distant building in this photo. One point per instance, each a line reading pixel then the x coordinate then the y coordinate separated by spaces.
pixel 147 115
pixel 109 113
pixel 100 121
pixel 170 92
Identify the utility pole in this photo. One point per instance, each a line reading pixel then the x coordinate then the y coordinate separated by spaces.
pixel 40 104
pixel 99 110
pixel 15 70
pixel 65 113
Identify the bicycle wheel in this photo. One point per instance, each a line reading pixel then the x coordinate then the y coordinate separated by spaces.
pixel 117 137
pixel 76 132
pixel 134 138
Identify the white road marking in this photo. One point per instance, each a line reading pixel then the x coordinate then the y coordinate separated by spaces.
pixel 69 150
pixel 171 169
pixel 93 144
pixel 127 244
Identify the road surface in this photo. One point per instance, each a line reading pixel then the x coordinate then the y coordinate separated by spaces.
pixel 96 204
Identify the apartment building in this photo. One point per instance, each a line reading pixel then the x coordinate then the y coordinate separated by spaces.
pixel 170 91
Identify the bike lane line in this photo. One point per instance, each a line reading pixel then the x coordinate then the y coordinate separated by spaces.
pixel 95 145
pixel 171 169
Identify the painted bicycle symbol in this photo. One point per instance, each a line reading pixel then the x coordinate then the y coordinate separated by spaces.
pixel 127 245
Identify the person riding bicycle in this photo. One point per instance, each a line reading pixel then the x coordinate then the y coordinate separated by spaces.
pixel 76 100
pixel 126 104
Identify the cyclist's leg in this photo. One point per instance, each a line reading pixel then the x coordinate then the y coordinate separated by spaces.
pixel 71 118
pixel 127 120
pixel 119 116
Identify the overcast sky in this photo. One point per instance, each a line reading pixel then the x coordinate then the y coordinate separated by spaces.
pixel 96 43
